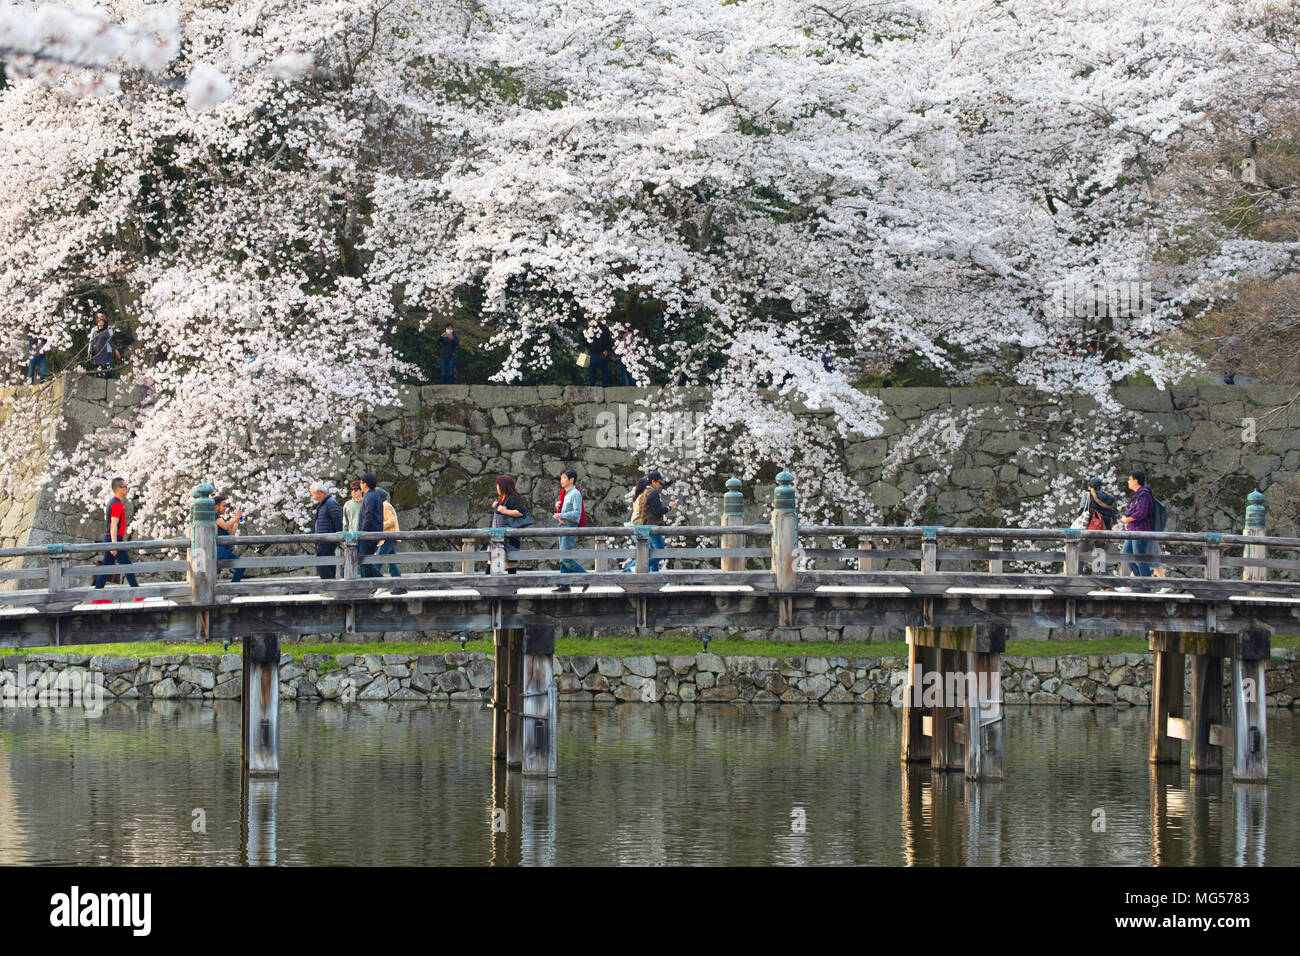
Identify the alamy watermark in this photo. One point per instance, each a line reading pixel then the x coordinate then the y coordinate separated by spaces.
pixel 638 430
pixel 1072 298
pixel 52 688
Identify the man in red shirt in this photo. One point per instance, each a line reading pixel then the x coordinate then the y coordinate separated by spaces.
pixel 115 531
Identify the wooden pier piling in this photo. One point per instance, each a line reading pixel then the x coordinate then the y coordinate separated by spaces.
pixel 260 741
pixel 540 703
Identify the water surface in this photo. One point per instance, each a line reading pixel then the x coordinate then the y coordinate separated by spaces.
pixel 413 784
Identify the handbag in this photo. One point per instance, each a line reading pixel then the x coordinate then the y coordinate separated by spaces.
pixel 584 360
pixel 523 521
pixel 1079 523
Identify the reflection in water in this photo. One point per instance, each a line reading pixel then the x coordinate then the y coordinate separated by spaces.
pixel 258 817
pixel 374 783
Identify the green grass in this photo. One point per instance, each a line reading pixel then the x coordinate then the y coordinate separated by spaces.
pixel 625 647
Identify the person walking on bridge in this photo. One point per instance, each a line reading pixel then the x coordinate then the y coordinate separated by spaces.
pixel 352 508
pixel 569 512
pixel 329 520
pixel 656 511
pixel 1098 507
pixel 1138 516
pixel 388 545
pixel 372 519
pixel 114 532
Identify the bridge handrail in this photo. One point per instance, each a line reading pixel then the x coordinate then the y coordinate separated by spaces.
pixel 1042 534
pixel 67 548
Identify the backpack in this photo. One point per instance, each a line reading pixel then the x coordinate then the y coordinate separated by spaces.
pixel 1159 514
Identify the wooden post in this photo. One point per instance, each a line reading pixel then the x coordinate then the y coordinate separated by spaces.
pixel 467 544
pixel 785 538
pixel 540 703
pixel 351 556
pixel 947 736
pixel 995 564
pixel 916 745
pixel 260 748
pixel 1167 685
pixel 1071 566
pixel 514 697
pixel 497 550
pixel 602 564
pixel 865 561
pixel 733 513
pixel 58 567
pixel 1254 529
pixel 642 533
pixel 203 556
pixel 500 692
pixel 983 717
pixel 1213 555
pixel 929 550
pixel 1207 713
pixel 1250 728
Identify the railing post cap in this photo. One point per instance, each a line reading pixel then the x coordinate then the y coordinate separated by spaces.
pixel 204 490
pixel 1255 510
pixel 733 502
pixel 733 485
pixel 784 498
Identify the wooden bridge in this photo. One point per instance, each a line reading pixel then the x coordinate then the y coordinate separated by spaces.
pixel 956 591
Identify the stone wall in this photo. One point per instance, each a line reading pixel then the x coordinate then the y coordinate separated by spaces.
pixel 1094 680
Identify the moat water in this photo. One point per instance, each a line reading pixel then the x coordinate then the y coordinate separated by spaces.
pixel 644 784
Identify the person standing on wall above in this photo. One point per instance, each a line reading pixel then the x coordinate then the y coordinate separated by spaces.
pixel 114 532
pixel 372 519
pixel 389 546
pixel 37 347
pixel 569 512
pixel 599 349
pixel 352 508
pixel 228 526
pixel 100 348
pixel 329 520
pixel 447 343
pixel 1138 517
pixel 656 511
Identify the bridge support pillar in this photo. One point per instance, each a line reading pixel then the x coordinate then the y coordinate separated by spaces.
pixel 1250 729
pixel 260 740
pixel 1207 714
pixel 506 694
pixel 540 703
pixel 920 659
pixel 1167 687
pixel 947 740
pixel 983 712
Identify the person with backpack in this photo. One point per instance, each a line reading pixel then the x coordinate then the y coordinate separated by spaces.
pixel 115 532
pixel 570 512
pixel 1140 515
pixel 655 511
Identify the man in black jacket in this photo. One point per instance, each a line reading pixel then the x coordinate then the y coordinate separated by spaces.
pixel 656 511
pixel 447 343
pixel 372 519
pixel 329 520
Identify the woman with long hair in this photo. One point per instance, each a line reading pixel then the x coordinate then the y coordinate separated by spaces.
pixel 509 504
pixel 638 512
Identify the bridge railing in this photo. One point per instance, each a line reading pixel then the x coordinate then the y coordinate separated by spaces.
pixel 782 557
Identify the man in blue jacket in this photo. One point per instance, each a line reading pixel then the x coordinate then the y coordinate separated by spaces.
pixel 329 520
pixel 372 519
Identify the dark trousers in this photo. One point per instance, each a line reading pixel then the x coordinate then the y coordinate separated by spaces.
pixel 122 557
pixel 35 364
pixel 226 554
pixel 600 362
pixel 367 549
pixel 324 550
pixel 1135 546
pixel 449 371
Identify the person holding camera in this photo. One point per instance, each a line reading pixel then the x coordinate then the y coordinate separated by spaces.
pixel 229 526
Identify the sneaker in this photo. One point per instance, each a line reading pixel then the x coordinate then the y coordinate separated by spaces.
pixel 101 601
pixel 1123 589
pixel 397 591
pixel 562 589
pixel 137 599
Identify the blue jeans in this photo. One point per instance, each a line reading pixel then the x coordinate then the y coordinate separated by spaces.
pixel 1133 546
pixel 34 364
pixel 122 557
pixel 390 547
pixel 600 362
pixel 449 371
pixel 226 554
pixel 568 565
pixel 656 541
